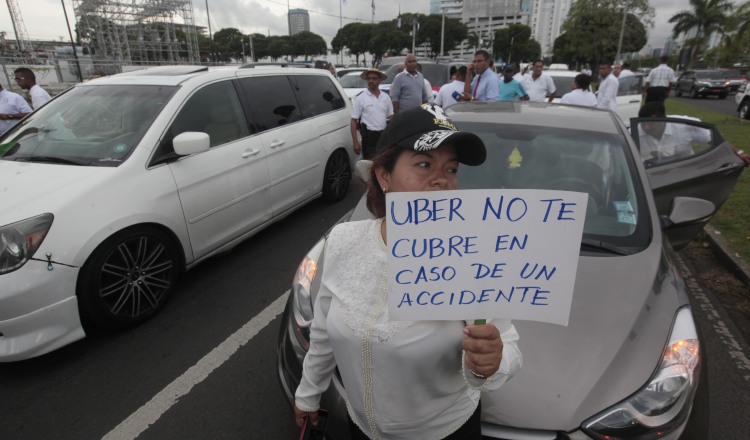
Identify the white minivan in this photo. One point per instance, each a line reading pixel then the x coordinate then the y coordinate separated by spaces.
pixel 116 186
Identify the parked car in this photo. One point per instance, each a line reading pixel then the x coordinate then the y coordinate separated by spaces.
pixel 742 98
pixel 630 363
pixel 353 84
pixel 735 78
pixel 702 83
pixel 628 92
pixel 119 184
pixel 345 70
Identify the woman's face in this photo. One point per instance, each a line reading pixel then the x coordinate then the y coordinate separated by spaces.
pixel 422 171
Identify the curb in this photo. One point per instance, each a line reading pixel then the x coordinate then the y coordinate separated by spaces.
pixel 733 262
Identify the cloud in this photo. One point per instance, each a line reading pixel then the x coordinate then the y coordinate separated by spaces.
pixel 44 18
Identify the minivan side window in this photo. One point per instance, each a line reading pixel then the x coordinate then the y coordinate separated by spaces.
pixel 316 94
pixel 271 102
pixel 214 109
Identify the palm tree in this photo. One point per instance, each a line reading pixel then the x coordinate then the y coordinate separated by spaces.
pixel 706 17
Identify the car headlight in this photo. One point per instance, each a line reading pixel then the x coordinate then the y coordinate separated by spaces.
pixel 702 83
pixel 302 285
pixel 19 241
pixel 665 402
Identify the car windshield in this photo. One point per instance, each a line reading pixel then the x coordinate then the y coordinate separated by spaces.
pixel 731 73
pixel 352 81
pixel 97 125
pixel 712 74
pixel 436 74
pixel 563 84
pixel 534 157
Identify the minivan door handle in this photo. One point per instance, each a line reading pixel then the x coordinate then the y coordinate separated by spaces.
pixel 249 153
pixel 277 143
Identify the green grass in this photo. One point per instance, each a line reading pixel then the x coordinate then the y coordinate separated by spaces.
pixel 733 219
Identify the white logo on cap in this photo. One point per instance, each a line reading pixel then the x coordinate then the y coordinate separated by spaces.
pixel 430 141
pixel 437 111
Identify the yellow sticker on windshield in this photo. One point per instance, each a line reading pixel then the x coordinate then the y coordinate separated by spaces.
pixel 515 159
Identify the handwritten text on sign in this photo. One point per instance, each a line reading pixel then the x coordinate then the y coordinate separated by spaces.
pixel 475 254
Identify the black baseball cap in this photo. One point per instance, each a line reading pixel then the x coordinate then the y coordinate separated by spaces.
pixel 427 127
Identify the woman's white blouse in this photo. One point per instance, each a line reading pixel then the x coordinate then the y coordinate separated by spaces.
pixel 403 379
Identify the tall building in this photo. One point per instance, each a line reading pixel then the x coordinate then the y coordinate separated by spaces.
pixel 547 19
pixel 299 20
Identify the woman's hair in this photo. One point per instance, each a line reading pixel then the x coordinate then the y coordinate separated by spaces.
pixel 375 195
pixel 583 81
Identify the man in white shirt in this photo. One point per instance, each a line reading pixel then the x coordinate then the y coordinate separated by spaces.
pixel 370 114
pixel 580 95
pixel 12 108
pixel 445 97
pixel 665 141
pixel 659 81
pixel 538 85
pixel 625 72
pixel 27 80
pixel 606 97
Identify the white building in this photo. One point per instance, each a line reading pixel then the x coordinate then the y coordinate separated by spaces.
pixel 299 20
pixel 547 19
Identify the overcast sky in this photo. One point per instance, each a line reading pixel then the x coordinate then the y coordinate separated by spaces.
pixel 44 19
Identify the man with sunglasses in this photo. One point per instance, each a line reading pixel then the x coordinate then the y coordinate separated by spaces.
pixel 372 109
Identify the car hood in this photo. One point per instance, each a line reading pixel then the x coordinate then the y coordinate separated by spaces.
pixel 621 315
pixel 29 189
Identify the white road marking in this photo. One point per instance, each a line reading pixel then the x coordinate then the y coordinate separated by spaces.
pixel 725 335
pixel 149 413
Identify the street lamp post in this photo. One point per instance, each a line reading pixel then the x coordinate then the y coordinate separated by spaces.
pixel 442 33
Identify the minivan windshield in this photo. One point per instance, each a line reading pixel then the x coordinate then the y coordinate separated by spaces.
pixel 97 125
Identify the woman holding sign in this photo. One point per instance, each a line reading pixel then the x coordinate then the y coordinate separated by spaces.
pixel 403 379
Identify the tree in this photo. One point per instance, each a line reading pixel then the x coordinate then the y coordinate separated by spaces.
pixel 278 46
pixel 431 31
pixel 592 30
pixel 307 44
pixel 228 44
pixel 514 42
pixel 706 17
pixel 387 37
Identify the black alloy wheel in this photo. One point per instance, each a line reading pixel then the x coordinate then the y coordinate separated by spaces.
pixel 337 177
pixel 128 278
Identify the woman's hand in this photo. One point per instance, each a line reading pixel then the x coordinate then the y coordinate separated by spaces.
pixel 484 349
pixel 300 416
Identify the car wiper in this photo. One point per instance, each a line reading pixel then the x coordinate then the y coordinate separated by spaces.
pixel 603 245
pixel 53 159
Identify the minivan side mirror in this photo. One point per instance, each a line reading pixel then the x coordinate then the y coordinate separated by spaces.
pixel 191 142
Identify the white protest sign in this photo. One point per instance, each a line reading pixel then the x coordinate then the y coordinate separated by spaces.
pixel 476 254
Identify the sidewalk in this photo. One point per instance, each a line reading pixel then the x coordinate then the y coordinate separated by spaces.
pixel 738 266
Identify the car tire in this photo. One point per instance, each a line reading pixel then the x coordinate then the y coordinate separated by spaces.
pixel 338 175
pixel 677 92
pixel 693 93
pixel 128 278
pixel 723 96
pixel 744 111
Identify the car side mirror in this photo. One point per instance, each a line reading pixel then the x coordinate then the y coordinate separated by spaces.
pixel 191 142
pixel 687 210
pixel 362 170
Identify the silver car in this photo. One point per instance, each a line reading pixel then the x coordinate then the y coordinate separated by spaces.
pixel 629 364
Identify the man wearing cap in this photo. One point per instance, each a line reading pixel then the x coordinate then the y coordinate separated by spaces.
pixel 481 81
pixel 510 89
pixel 372 109
pixel 408 90
pixel 538 84
pixel 446 97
